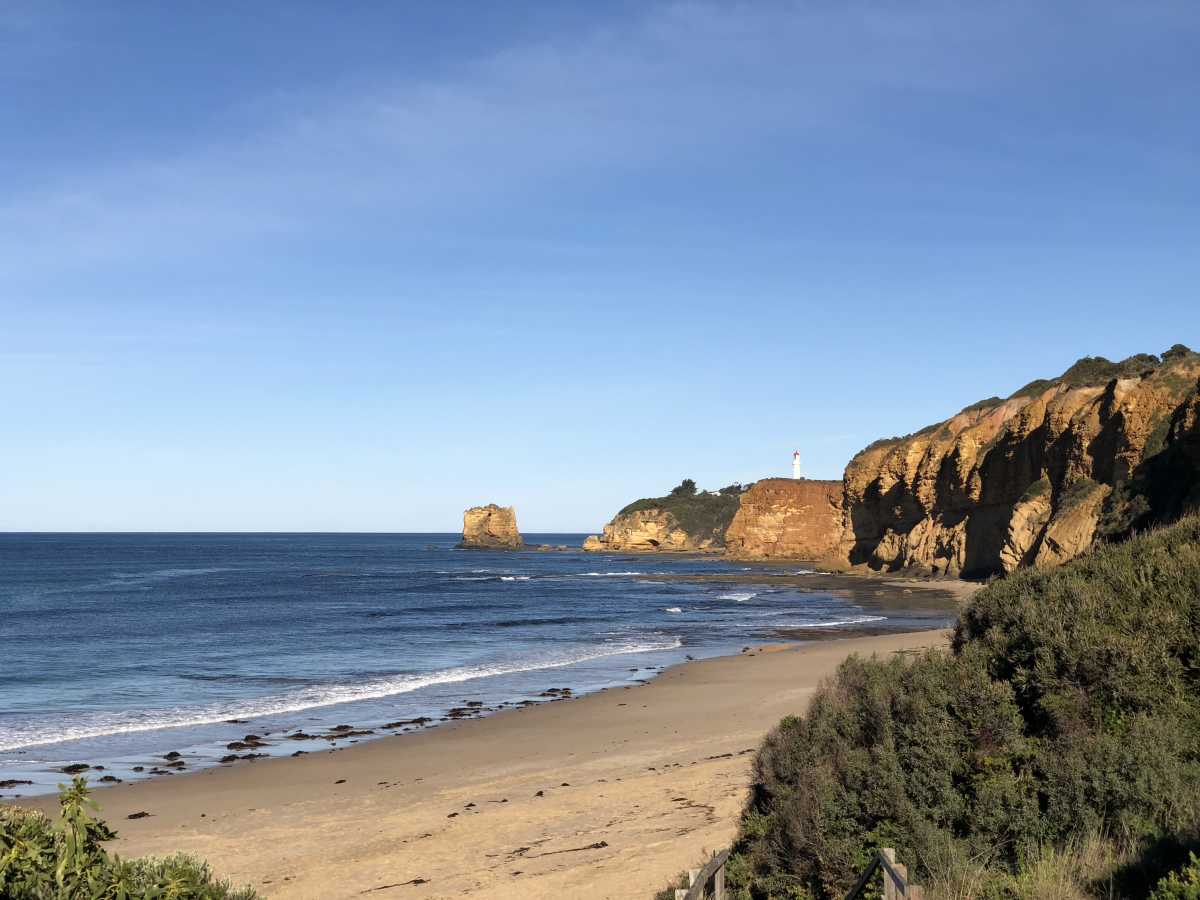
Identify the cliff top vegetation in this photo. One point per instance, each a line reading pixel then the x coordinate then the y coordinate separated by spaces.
pixel 1093 371
pixel 703 514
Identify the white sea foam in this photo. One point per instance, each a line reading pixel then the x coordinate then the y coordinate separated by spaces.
pixel 672 609
pixel 853 620
pixel 515 577
pixel 313 697
pixel 739 596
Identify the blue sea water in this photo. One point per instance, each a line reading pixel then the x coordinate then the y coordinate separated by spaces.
pixel 116 649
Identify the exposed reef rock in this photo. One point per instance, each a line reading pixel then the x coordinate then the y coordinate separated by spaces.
pixel 685 520
pixel 491 527
pixel 1102 450
pixel 788 518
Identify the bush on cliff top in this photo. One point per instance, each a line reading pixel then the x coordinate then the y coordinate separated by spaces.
pixel 700 514
pixel 66 860
pixel 1068 708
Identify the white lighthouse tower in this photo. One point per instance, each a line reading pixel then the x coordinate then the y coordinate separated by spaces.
pixel 796 465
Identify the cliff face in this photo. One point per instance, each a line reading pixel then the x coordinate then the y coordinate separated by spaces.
pixel 787 518
pixel 1101 451
pixel 1034 479
pixel 491 527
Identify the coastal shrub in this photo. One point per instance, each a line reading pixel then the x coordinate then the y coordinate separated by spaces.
pixel 1181 885
pixel 66 860
pixel 1067 708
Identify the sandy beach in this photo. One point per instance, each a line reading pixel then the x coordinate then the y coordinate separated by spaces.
pixel 605 796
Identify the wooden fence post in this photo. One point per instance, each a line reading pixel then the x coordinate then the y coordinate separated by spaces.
pixel 889 886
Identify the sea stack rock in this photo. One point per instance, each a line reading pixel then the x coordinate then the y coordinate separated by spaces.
pixel 491 527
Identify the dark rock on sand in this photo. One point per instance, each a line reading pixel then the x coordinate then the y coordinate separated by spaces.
pixel 420 720
pixel 74 768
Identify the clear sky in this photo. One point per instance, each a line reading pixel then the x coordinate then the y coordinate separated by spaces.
pixel 326 266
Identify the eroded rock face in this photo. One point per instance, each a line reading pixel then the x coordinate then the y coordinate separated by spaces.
pixel 1027 480
pixel 491 527
pixel 789 519
pixel 646 530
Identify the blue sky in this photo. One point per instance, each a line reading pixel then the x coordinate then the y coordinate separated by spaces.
pixel 356 267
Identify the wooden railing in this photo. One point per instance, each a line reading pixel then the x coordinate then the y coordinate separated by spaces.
pixel 707 883
pixel 895 878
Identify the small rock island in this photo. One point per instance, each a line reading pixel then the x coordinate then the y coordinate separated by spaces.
pixel 491 527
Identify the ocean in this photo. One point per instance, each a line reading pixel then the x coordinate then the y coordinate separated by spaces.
pixel 119 649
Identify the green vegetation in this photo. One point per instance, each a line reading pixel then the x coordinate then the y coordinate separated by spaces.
pixel 700 514
pixel 1092 371
pixel 65 860
pixel 1075 493
pixel 1039 488
pixel 1054 751
pixel 1181 885
pixel 989 403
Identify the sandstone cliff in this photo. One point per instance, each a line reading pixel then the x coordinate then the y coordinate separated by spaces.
pixel 787 518
pixel 684 520
pixel 491 527
pixel 1033 479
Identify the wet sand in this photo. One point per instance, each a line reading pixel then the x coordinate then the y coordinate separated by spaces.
pixel 605 796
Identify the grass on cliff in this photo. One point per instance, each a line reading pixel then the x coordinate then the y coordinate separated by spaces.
pixel 701 514
pixel 1054 750
pixel 66 860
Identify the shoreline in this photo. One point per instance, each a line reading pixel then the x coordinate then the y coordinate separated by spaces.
pixel 606 795
pixel 890 596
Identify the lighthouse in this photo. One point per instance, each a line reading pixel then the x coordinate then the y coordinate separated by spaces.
pixel 796 464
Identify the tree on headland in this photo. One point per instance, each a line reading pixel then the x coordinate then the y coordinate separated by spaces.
pixel 686 488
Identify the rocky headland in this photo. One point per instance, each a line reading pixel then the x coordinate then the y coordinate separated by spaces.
pixel 491 527
pixel 686 520
pixel 1103 450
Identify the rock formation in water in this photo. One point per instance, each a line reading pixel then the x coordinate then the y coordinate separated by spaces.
pixel 788 518
pixel 491 527
pixel 684 520
pixel 1102 450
